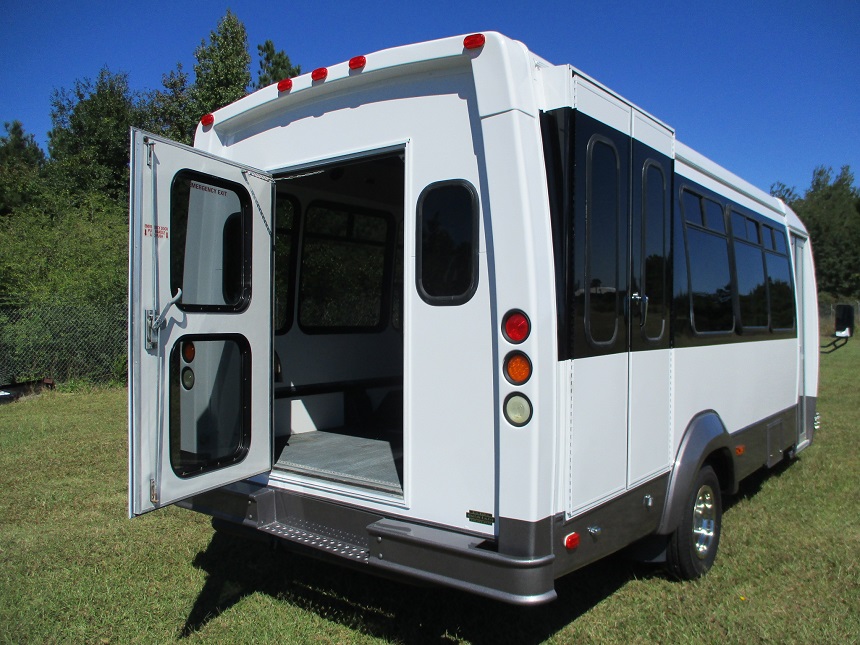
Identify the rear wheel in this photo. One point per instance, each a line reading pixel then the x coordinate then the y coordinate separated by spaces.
pixel 693 546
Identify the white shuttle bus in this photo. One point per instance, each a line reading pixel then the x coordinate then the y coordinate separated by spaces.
pixel 451 313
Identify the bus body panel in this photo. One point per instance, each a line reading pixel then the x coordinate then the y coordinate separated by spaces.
pixel 625 396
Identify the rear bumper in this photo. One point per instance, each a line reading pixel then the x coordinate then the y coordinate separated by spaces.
pixel 380 545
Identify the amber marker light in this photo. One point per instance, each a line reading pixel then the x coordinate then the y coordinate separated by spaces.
pixel 518 368
pixel 188 351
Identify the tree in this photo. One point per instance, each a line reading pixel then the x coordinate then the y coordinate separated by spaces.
pixel 830 209
pixel 171 111
pixel 222 69
pixel 274 65
pixel 88 144
pixel 21 162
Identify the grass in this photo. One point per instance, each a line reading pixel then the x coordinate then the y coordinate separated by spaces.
pixel 74 569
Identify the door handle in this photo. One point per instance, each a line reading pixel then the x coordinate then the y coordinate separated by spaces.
pixel 640 300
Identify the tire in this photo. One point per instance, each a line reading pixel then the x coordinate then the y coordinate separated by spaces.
pixel 693 546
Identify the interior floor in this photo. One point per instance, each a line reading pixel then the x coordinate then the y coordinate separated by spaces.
pixel 375 464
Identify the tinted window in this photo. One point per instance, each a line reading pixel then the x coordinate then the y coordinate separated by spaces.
pixel 448 243
pixel 692 206
pixel 654 269
pixel 739 227
pixel 781 293
pixel 710 281
pixel 752 290
pixel 342 280
pixel 209 237
pixel 714 216
pixel 209 404
pixel 603 211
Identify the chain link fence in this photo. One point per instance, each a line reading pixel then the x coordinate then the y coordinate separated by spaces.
pixel 89 341
pixel 63 341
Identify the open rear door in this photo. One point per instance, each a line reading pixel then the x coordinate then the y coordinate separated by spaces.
pixel 200 330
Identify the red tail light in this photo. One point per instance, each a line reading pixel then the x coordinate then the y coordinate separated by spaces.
pixel 516 326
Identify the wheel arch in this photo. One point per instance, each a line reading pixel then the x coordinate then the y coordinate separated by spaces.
pixel 705 441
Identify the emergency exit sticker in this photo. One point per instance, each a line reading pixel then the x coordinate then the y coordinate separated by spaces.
pixel 160 231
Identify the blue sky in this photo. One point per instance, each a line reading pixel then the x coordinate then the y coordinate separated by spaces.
pixel 767 89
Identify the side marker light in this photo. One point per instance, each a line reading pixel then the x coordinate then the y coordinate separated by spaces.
pixel 207 120
pixel 571 541
pixel 319 74
pixel 285 85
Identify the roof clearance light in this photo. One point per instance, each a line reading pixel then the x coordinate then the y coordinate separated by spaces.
pixel 319 74
pixel 518 410
pixel 475 41
pixel 518 368
pixel 285 85
pixel 207 120
pixel 516 326
pixel 357 62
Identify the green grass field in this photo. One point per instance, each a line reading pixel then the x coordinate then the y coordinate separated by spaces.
pixel 74 569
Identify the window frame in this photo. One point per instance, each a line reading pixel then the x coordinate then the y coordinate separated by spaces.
pixel 465 296
pixel 246 228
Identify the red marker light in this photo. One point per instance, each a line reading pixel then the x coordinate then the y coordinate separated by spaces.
pixel 516 326
pixel 571 541
pixel 319 74
pixel 207 119
pixel 475 41
pixel 285 85
pixel 357 62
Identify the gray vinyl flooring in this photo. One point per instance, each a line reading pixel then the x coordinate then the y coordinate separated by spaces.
pixel 358 461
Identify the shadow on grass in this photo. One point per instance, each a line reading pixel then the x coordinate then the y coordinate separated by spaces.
pixel 238 567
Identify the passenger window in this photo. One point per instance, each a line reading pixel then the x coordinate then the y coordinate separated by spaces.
pixel 692 205
pixel 447 246
pixel 210 243
pixel 343 269
pixel 603 210
pixel 752 288
pixel 714 216
pixel 285 238
pixel 655 255
pixel 781 293
pixel 710 281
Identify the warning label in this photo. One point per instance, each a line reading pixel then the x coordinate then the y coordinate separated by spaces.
pixel 160 231
pixel 220 192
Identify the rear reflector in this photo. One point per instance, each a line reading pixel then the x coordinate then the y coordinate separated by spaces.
pixel 475 41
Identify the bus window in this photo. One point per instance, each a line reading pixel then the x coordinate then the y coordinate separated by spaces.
pixel 447 271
